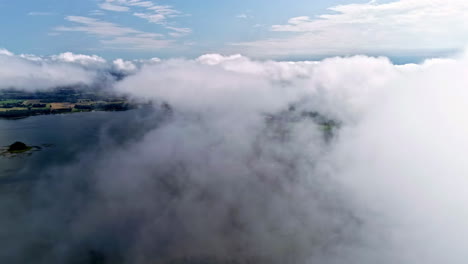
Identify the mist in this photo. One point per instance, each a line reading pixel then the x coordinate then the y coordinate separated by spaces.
pixel 28 72
pixel 230 164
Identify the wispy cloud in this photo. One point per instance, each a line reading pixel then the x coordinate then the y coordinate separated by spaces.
pixel 244 16
pixel 137 42
pixel 40 13
pixel 97 27
pixel 149 11
pixel 396 27
pixel 146 9
pixel 96 13
pixel 111 7
pixel 153 18
pixel 179 32
pixel 116 36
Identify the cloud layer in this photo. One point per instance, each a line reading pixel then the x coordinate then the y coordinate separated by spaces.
pixel 404 27
pixel 393 176
pixel 151 12
pixel 235 163
pixel 32 73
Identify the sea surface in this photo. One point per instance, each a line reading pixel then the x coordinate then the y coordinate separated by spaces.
pixel 61 139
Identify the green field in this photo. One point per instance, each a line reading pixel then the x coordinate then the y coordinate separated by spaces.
pixel 74 110
pixel 10 101
pixel 21 104
pixel 13 109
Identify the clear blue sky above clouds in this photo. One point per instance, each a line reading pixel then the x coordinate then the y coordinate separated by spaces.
pixel 285 29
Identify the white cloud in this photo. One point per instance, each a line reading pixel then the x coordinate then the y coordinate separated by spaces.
pixel 97 27
pixel 399 154
pixel 215 59
pixel 85 60
pixel 153 13
pixel 388 187
pixel 405 27
pixel 31 72
pixel 116 36
pixel 111 7
pixel 137 42
pixel 96 13
pixel 40 14
pixel 397 160
pixel 179 32
pixel 158 14
pixel 166 10
pixel 127 67
pixel 31 57
pixel 5 52
pixel 153 18
pixel 244 16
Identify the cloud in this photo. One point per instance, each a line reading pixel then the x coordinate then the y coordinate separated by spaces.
pixel 158 14
pixel 216 96
pixel 137 42
pixel 413 171
pixel 124 66
pixel 405 27
pixel 153 13
pixel 30 72
pixel 5 52
pixel 97 27
pixel 96 13
pixel 79 58
pixel 245 15
pixel 111 7
pixel 179 32
pixel 210 149
pixel 395 164
pixel 244 142
pixel 40 14
pixel 153 18
pixel 115 36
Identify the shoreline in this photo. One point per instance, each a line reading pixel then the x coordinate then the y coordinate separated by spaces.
pixel 8 115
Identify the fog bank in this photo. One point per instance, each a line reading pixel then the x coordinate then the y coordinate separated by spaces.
pixel 345 160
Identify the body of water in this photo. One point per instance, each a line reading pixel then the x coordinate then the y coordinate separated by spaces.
pixel 61 138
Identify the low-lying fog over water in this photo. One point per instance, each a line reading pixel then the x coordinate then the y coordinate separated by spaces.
pixel 345 160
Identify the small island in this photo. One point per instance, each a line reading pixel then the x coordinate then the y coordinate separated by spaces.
pixel 19 147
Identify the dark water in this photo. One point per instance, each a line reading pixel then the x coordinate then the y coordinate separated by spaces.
pixel 38 202
pixel 61 138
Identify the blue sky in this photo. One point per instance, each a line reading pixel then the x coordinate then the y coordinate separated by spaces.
pixel 300 29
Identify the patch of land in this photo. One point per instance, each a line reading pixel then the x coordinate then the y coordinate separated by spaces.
pixel 18 148
pixel 18 104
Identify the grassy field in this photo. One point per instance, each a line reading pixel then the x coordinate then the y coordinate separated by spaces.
pixel 74 110
pixel 10 101
pixel 62 105
pixel 30 102
pixel 13 109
